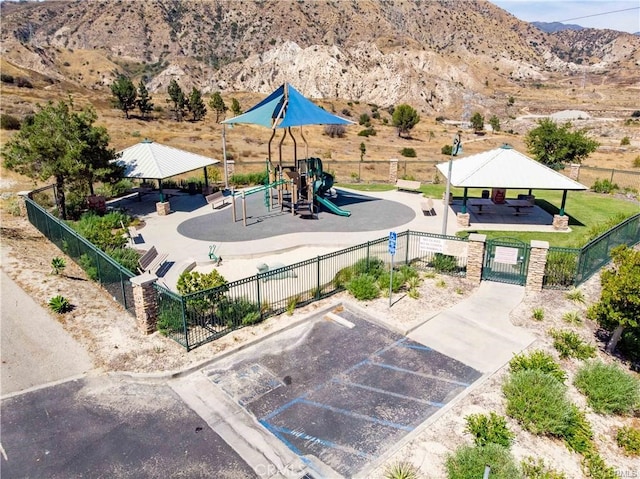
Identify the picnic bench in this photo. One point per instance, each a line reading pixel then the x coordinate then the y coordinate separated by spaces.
pixel 151 261
pixel 427 207
pixel 408 185
pixel 216 198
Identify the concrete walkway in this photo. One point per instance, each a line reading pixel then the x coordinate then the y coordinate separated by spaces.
pixel 477 331
pixel 35 348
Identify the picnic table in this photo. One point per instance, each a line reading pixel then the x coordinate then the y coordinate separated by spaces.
pixel 518 204
pixel 480 203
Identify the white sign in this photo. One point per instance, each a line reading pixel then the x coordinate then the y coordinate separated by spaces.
pixel 506 255
pixel 431 245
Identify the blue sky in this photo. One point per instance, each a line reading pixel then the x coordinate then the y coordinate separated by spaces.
pixel 563 11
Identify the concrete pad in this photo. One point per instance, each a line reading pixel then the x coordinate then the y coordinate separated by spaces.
pixel 477 331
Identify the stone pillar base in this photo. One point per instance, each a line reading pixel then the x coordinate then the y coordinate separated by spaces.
pixel 475 257
pixel 560 222
pixel 145 302
pixel 463 219
pixel 163 209
pixel 22 202
pixel 393 171
pixel 537 264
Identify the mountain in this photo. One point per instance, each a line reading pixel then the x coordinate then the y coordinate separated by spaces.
pixel 552 27
pixel 437 55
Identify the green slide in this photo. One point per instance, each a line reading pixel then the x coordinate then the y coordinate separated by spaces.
pixel 331 207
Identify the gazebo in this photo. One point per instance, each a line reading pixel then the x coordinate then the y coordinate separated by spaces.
pixel 505 168
pixel 148 160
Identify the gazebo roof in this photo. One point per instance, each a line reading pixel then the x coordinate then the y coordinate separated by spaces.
pixel 505 167
pixel 151 160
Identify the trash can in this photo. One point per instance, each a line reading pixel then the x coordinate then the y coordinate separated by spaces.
pixel 192 188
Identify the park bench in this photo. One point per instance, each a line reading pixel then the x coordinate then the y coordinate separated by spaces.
pixel 427 207
pixel 151 261
pixel 216 198
pixel 131 232
pixel 408 185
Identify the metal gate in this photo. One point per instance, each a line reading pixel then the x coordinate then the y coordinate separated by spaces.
pixel 506 260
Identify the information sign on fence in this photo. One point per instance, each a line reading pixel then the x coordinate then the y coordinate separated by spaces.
pixel 506 255
pixel 431 245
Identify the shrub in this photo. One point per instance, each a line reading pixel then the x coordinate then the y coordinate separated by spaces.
pixel 538 314
pixel 575 295
pixel 385 278
pixel 604 186
pixel 625 141
pixel 560 269
pixel 537 360
pixel 5 78
pixel 636 162
pixel 578 433
pixel 401 470
pixel 364 120
pixel 193 281
pixel 23 82
pixel 9 122
pixel 89 267
pixel 58 265
pixel 249 178
pixel 537 401
pixel 571 345
pixel 408 152
pixel 470 461
pixel 596 467
pixel 608 388
pixel 105 232
pixel 536 469
pixel 126 257
pixel 446 150
pixel 635 114
pixel 373 266
pixel 367 132
pixel 628 438
pixel 235 311
pixel 364 287
pixel 334 131
pixel 443 263
pixel 59 304
pixel 170 318
pixel 491 429
pixel 343 277
pixel 292 304
pixel 572 317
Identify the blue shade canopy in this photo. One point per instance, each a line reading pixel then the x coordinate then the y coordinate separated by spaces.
pixel 286 107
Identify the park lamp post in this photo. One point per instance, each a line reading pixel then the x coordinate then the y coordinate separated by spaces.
pixel 454 151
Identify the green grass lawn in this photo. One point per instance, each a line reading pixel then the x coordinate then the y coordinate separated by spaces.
pixel 587 211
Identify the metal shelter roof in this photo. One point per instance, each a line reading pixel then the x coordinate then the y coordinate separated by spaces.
pixel 150 160
pixel 505 167
pixel 286 107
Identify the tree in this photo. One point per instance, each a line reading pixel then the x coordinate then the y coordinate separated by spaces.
pixel 60 143
pixel 363 150
pixel 494 121
pixel 125 94
pixel 195 104
pixel 217 104
pixel 477 121
pixel 144 100
pixel 235 107
pixel 554 145
pixel 404 119
pixel 619 305
pixel 177 99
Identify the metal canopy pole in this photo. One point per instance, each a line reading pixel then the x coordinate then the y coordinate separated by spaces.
pixel 224 156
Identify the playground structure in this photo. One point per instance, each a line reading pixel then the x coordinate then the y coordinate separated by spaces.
pixel 300 187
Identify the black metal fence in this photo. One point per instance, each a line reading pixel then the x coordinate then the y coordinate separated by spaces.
pixel 204 316
pixel 567 267
pixel 98 265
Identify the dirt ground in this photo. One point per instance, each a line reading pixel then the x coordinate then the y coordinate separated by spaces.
pixel 110 336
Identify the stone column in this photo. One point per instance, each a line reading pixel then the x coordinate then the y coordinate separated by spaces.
pixel 475 257
pixel 574 171
pixel 231 168
pixel 463 219
pixel 22 202
pixel 393 170
pixel 145 300
pixel 560 222
pixel 537 263
pixel 163 208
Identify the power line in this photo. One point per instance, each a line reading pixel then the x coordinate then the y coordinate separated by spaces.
pixel 599 14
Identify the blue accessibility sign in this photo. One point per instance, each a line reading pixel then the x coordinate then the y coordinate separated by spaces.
pixel 393 237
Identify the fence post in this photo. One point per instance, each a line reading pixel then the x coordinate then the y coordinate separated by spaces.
pixel 406 256
pixel 318 277
pixel 22 202
pixel 145 300
pixel 258 296
pixel 537 264
pixel 475 258
pixel 393 170
pixel 368 243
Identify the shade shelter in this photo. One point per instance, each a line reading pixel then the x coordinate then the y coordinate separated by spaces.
pixel 148 160
pixel 505 168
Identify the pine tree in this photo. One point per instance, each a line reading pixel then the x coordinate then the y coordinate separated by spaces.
pixel 217 104
pixel 404 119
pixel 177 100
pixel 235 107
pixel 195 105
pixel 125 94
pixel 144 100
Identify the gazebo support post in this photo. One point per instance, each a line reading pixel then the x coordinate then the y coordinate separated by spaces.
pixel 564 200
pixel 160 190
pixel 206 179
pixel 464 201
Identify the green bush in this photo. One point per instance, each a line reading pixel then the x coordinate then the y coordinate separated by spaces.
pixel 408 152
pixel 193 281
pixel 364 287
pixel 9 122
pixel 625 141
pixel 170 318
pixel 537 314
pixel 578 433
pixel 368 132
pixel 596 230
pixel 409 272
pixel 604 186
pixel 560 269
pixel 538 402
pixel 385 278
pixel 89 267
pixel 628 438
pixel 446 150
pixel 629 344
pixel 609 389
pixel 235 311
pixel 444 263
pixel 469 462
pixel 401 470
pixel 58 265
pixel 59 304
pixel 105 232
pixel 126 257
pixel 570 345
pixel 6 78
pixel 373 266
pixel 537 360
pixel 536 469
pixel 596 467
pixel 491 429
pixel 364 120
pixel 249 178
pixel 342 277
